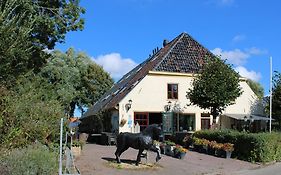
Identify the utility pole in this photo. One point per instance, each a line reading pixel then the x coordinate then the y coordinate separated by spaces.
pixel 270 102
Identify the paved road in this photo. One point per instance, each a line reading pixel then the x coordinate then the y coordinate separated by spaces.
pixel 267 170
pixel 96 158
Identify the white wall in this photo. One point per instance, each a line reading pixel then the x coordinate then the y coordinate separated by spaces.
pixel 150 95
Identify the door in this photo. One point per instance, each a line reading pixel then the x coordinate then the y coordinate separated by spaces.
pixel 205 123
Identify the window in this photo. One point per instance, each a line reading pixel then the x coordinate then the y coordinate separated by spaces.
pixel 141 119
pixel 172 91
pixel 186 122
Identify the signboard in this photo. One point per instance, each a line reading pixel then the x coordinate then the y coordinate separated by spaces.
pixel 167 118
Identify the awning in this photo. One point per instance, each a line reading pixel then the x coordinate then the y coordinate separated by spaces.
pixel 248 116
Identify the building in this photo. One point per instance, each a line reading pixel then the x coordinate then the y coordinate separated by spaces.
pixel 155 92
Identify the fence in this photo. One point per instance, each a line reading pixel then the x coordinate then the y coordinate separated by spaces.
pixel 135 128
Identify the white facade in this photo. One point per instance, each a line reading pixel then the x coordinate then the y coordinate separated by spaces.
pixel 150 95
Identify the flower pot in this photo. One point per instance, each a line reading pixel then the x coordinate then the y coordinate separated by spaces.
pixel 211 151
pixel 197 148
pixel 228 154
pixel 220 153
pixel 76 151
pixel 169 150
pixel 180 155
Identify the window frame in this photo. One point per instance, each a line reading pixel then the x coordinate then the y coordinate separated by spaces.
pixel 139 120
pixel 171 93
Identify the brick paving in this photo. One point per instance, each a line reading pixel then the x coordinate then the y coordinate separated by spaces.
pixel 95 159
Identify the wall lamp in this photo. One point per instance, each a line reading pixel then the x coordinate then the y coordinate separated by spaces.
pixel 168 106
pixel 128 105
pixel 245 118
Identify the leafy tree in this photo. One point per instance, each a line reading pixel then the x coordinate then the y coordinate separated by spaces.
pixel 257 88
pixel 15 45
pixel 76 79
pixel 30 112
pixel 216 87
pixel 276 98
pixel 28 27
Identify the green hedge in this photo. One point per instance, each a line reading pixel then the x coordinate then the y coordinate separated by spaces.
pixel 33 160
pixel 253 147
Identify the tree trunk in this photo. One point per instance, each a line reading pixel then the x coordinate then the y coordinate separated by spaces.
pixel 72 109
pixel 215 113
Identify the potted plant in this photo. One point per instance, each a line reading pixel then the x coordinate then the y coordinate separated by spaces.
pixel 179 152
pixel 228 148
pixel 197 144
pixel 218 149
pixel 169 147
pixel 205 144
pixel 123 122
pixel 212 147
pixel 76 148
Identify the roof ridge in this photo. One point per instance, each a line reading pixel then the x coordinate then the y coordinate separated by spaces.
pixel 171 48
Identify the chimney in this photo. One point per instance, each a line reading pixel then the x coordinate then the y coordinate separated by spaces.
pixel 165 42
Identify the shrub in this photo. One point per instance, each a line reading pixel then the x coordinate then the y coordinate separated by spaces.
pixel 170 143
pixel 33 160
pixel 253 147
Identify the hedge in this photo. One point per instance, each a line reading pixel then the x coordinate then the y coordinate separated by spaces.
pixel 253 147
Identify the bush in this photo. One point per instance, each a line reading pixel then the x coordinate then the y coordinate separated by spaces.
pixel 253 147
pixel 33 160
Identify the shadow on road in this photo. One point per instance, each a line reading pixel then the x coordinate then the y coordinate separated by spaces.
pixel 113 160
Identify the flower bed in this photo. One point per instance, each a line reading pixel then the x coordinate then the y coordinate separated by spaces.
pixel 212 147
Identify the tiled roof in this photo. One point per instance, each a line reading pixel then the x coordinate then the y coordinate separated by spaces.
pixel 187 56
pixel 183 54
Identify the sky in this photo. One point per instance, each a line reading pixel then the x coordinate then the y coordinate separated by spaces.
pixel 120 34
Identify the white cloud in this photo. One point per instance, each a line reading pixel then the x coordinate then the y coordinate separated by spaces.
pixel 238 38
pixel 235 56
pixel 115 64
pixel 256 51
pixel 256 76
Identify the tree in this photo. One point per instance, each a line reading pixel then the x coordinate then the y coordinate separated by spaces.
pixel 257 88
pixel 29 112
pixel 216 87
pixel 76 79
pixel 28 27
pixel 15 45
pixel 276 98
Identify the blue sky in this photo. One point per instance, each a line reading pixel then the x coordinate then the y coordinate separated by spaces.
pixel 119 34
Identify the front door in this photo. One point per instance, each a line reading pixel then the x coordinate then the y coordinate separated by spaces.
pixel 205 123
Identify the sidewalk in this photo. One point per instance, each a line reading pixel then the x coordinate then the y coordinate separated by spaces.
pixel 95 161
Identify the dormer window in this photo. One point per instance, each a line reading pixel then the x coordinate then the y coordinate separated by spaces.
pixel 172 91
